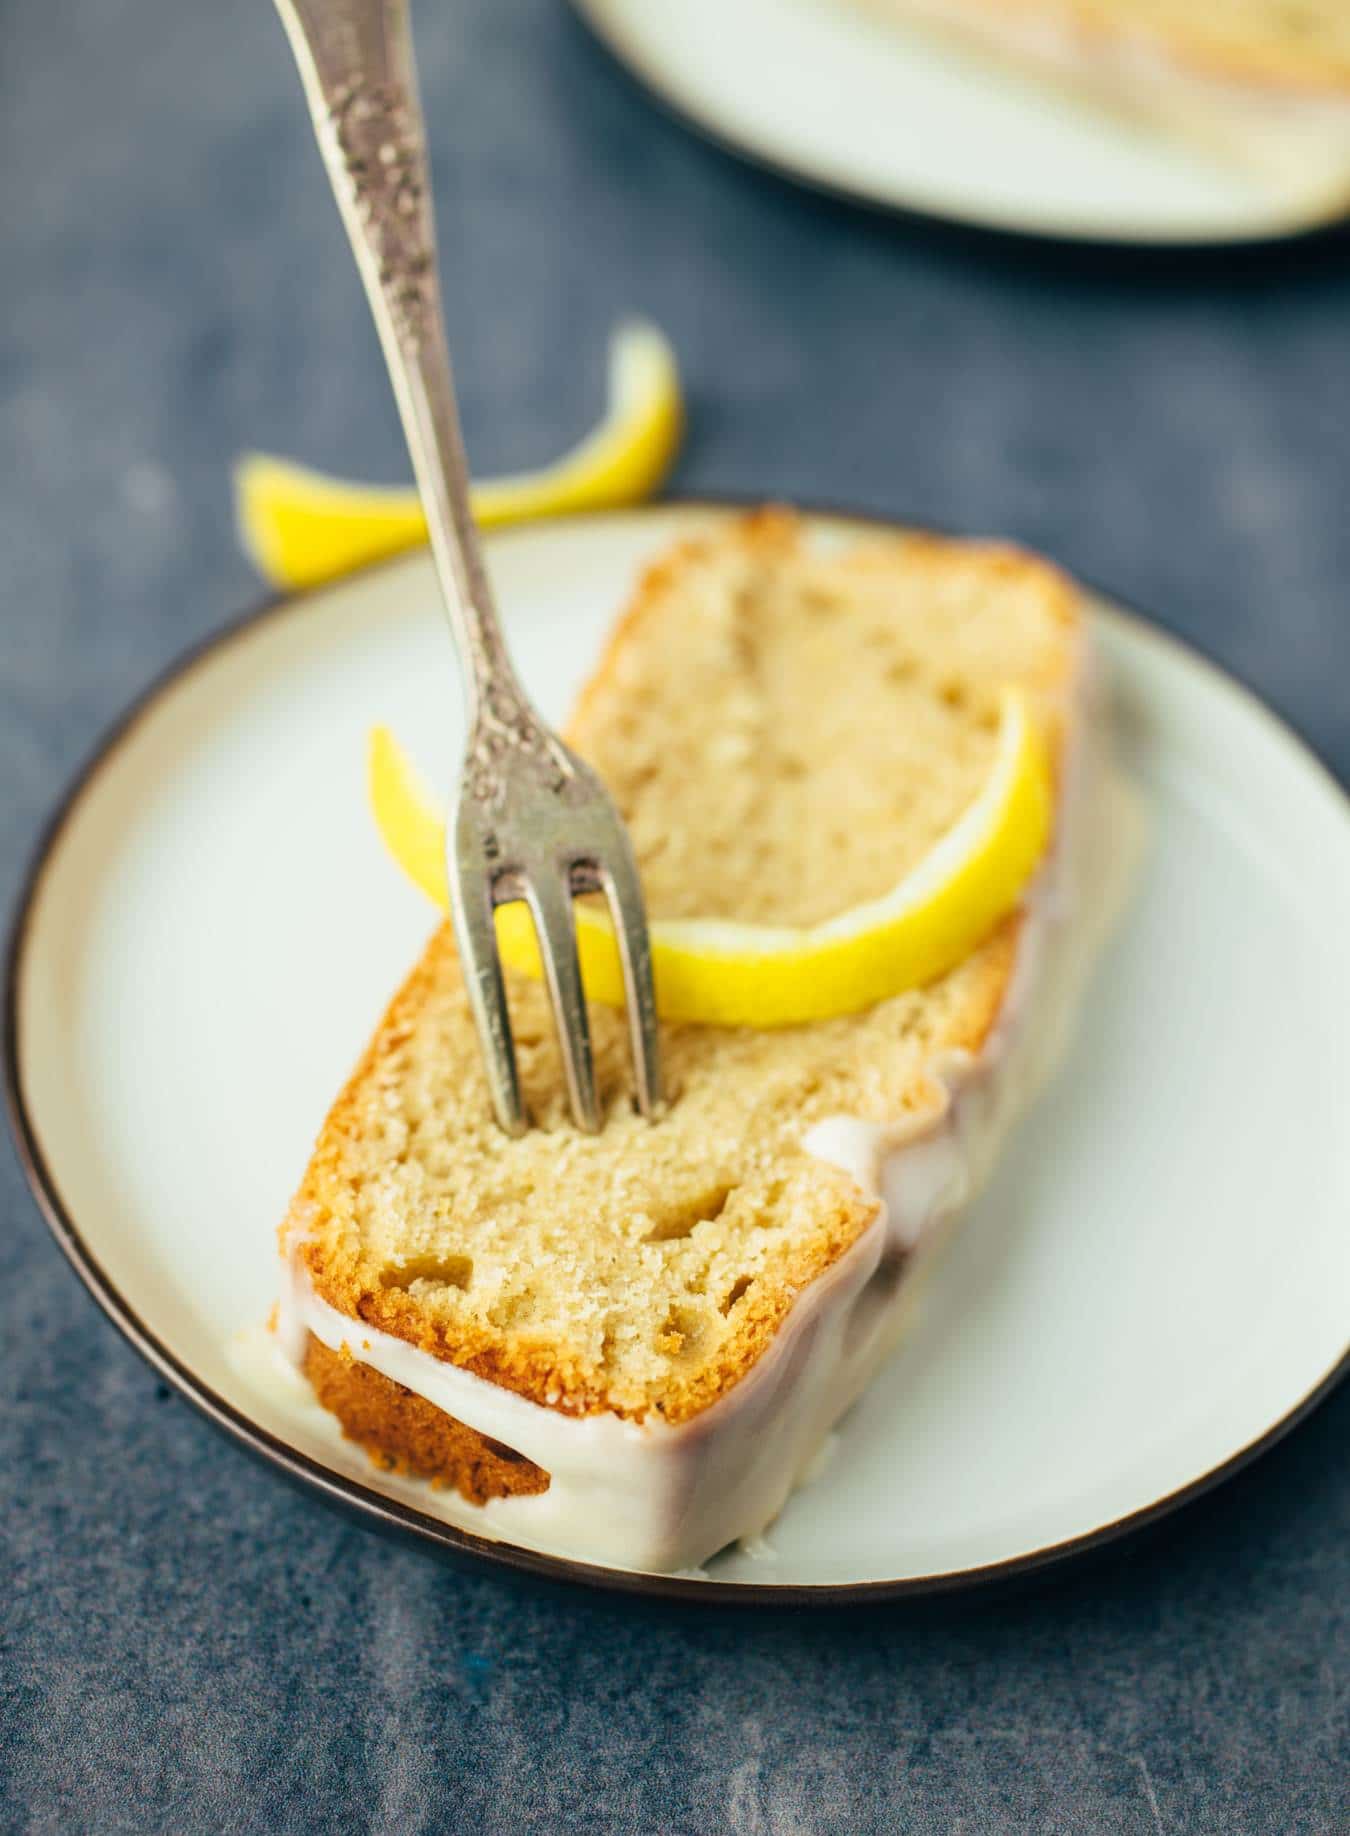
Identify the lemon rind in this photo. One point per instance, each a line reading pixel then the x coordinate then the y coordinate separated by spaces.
pixel 720 972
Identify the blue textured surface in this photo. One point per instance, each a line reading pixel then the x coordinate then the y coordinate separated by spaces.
pixel 188 1645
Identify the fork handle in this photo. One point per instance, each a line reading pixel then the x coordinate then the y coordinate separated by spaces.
pixel 356 62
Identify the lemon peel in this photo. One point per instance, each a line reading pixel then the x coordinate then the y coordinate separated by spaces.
pixel 302 527
pixel 719 972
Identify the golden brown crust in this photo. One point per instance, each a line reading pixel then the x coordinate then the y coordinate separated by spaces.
pixel 753 1219
pixel 402 1432
pixel 544 1373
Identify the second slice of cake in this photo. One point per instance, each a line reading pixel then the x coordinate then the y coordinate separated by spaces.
pixel 628 1347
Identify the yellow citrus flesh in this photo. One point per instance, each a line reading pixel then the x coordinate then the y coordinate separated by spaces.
pixel 301 527
pixel 720 973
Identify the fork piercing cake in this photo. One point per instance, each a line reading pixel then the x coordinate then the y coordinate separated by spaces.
pixel 629 1346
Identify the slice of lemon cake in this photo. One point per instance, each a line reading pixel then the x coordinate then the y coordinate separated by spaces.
pixel 1266 81
pixel 629 1346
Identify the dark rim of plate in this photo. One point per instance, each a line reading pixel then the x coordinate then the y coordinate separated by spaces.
pixel 388 1513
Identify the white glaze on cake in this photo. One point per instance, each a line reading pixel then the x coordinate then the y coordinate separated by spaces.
pixel 655 1497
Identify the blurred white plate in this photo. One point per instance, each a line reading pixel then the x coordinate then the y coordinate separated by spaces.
pixel 828 93
pixel 1156 1283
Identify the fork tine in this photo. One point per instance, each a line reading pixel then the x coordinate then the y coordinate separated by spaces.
pixel 476 937
pixel 628 909
pixel 550 901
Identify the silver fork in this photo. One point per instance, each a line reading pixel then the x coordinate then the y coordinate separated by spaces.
pixel 533 821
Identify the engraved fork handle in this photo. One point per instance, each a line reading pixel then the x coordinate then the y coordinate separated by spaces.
pixel 356 62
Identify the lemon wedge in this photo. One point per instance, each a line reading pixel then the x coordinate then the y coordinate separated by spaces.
pixel 722 973
pixel 301 527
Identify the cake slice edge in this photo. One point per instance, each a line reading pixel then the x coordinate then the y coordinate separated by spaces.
pixel 659 1494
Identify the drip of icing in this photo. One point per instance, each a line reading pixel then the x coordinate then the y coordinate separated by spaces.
pixel 819 1462
pixel 758 1548
pixel 656 1497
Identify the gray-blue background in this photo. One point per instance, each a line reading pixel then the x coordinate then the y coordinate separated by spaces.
pixel 188 1645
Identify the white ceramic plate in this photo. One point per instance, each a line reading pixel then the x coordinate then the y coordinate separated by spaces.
pixel 1156 1283
pixel 854 103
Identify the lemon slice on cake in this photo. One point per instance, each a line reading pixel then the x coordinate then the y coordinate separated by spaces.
pixel 301 527
pixel 718 972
